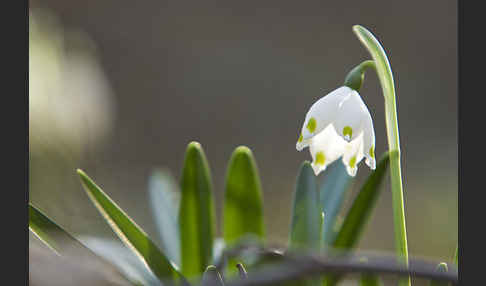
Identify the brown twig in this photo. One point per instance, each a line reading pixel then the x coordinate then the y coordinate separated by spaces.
pixel 298 265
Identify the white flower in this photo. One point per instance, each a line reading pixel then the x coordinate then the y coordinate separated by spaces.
pixel 339 124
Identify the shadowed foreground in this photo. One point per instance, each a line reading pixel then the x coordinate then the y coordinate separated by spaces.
pixel 48 269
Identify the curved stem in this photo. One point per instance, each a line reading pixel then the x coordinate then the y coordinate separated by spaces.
pixel 355 77
pixel 385 76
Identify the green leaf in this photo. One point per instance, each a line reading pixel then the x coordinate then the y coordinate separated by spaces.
pixel 306 225
pixel 61 242
pixel 370 280
pixel 360 211
pixel 129 232
pixel 123 258
pixel 378 54
pixel 243 207
pixel 332 193
pixel 164 198
pixel 52 235
pixel 385 75
pixel 307 217
pixel 211 277
pixel 196 213
pixel 442 267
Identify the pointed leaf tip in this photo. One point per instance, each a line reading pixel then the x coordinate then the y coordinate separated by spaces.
pixel 243 149
pixel 243 206
pixel 196 213
pixel 357 27
pixel 194 145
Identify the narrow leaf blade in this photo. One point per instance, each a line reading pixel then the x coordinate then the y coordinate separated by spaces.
pixel 196 213
pixel 332 192
pixel 123 258
pixel 307 217
pixel 357 217
pixel 64 244
pixel 243 207
pixel 51 234
pixel 129 232
pixel 363 205
pixel 306 225
pixel 164 201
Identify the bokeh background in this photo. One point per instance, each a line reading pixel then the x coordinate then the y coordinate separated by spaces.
pixel 119 88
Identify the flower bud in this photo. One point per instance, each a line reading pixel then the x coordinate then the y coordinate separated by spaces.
pixel 355 77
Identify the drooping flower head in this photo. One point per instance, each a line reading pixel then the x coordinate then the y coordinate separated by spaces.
pixel 339 125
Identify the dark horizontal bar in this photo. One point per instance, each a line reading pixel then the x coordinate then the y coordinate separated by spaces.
pixel 298 265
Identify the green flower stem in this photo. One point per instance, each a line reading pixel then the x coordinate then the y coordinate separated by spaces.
pixel 382 67
pixel 456 256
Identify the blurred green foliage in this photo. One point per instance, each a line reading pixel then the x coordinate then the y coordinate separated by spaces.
pixel 196 213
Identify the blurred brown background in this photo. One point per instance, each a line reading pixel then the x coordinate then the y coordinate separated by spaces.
pixel 229 73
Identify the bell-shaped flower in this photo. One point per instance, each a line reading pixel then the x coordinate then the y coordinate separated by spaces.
pixel 339 125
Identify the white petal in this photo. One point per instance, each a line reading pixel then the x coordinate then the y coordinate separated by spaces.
pixel 353 155
pixel 369 142
pixel 323 112
pixel 352 116
pixel 325 148
pixel 301 144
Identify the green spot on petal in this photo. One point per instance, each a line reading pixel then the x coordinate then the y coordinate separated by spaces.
pixel 352 162
pixel 300 138
pixel 320 158
pixel 347 130
pixel 311 125
pixel 372 151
